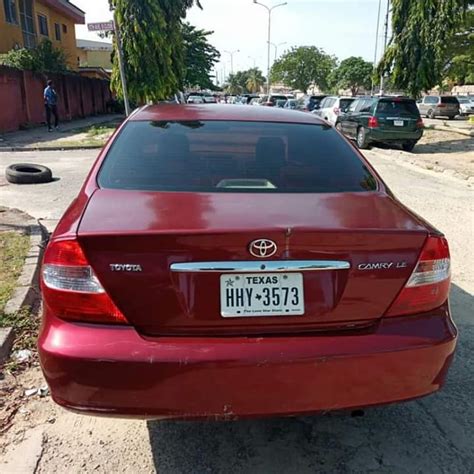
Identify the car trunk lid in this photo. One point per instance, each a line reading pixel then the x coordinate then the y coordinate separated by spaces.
pixel 133 246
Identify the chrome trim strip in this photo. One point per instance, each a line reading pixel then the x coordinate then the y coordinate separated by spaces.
pixel 254 266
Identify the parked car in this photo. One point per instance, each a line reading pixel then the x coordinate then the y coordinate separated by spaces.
pixel 271 100
pixel 466 106
pixel 209 99
pixel 293 104
pixel 255 101
pixel 256 265
pixel 281 103
pixel 389 120
pixel 312 102
pixel 195 99
pixel 332 108
pixel 433 106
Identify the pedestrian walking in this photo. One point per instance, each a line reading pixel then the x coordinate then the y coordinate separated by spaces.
pixel 51 105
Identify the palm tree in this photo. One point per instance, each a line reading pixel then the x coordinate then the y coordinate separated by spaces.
pixel 255 80
pixel 233 87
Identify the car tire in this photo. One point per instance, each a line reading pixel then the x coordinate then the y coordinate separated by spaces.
pixel 431 114
pixel 361 139
pixel 26 173
pixel 451 117
pixel 408 146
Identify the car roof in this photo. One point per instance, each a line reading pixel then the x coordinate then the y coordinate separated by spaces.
pixel 178 112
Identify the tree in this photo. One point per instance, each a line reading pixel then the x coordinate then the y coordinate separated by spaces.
pixel 153 47
pixel 255 80
pixel 301 67
pixel 45 58
pixel 459 65
pixel 199 57
pixel 233 86
pixel 422 31
pixel 353 73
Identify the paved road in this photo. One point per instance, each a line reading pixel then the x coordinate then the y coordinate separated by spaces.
pixel 431 435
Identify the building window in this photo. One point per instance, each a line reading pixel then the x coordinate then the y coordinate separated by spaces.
pixel 65 29
pixel 43 25
pixel 57 31
pixel 10 11
pixel 27 21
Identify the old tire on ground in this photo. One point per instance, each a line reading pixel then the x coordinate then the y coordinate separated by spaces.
pixel 26 173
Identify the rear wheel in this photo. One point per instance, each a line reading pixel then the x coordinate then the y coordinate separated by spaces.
pixel 451 117
pixel 408 146
pixel 362 141
pixel 431 114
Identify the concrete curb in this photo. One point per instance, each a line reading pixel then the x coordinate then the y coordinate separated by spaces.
pixel 27 289
pixel 50 148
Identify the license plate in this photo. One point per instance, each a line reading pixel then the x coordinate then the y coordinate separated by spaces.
pixel 269 294
pixel 398 123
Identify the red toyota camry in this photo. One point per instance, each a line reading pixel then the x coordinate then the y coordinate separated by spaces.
pixel 225 261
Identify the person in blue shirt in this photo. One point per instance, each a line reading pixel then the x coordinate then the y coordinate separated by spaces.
pixel 51 105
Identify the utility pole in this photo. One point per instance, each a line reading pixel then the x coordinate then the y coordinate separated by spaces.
pixel 269 10
pixel 376 47
pixel 123 78
pixel 231 54
pixel 387 16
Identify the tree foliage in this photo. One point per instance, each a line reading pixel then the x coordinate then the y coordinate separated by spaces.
pixel 459 65
pixel 153 47
pixel 303 66
pixel 233 85
pixel 248 81
pixel 353 73
pixel 199 57
pixel 45 58
pixel 422 31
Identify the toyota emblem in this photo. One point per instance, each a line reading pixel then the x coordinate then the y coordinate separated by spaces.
pixel 263 248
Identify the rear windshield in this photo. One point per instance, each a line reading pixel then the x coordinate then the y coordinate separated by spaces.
pixel 218 156
pixel 449 100
pixel 398 107
pixel 344 103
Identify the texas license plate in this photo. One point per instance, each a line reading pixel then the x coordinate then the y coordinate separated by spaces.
pixel 398 123
pixel 269 294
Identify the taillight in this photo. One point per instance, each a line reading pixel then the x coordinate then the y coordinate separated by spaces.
pixel 373 122
pixel 336 110
pixel 71 290
pixel 428 285
pixel 419 123
pixel 440 106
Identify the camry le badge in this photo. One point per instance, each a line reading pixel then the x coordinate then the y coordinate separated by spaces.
pixel 263 248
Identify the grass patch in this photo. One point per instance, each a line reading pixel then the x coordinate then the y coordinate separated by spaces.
pixel 13 251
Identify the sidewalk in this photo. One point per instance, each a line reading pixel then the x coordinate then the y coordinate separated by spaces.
pixel 71 134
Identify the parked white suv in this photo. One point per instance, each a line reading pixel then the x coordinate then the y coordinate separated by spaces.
pixel 332 107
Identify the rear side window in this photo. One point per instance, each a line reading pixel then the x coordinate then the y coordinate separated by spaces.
pixel 344 103
pixel 407 107
pixel 217 156
pixel 431 100
pixel 449 100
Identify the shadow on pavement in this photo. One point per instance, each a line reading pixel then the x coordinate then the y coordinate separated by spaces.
pixel 434 434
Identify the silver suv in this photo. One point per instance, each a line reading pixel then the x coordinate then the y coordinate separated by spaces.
pixel 433 106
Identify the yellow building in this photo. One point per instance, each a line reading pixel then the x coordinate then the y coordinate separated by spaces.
pixel 94 54
pixel 24 23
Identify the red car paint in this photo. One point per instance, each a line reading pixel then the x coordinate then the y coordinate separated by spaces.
pixel 176 357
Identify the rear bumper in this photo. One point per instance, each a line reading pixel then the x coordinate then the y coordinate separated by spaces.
pixel 115 371
pixel 392 136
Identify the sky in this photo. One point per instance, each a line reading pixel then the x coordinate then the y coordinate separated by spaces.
pixel 341 27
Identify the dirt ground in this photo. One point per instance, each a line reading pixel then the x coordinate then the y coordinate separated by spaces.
pixel 440 151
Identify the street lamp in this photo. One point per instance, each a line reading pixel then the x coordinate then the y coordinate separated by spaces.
pixel 276 46
pixel 269 10
pixel 231 53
